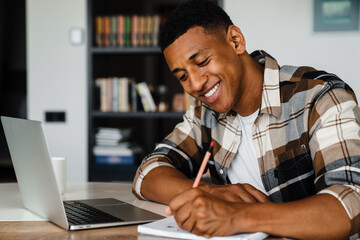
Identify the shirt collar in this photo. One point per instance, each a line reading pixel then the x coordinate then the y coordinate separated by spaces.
pixel 270 101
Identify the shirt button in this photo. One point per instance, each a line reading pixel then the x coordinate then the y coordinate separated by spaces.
pixel 221 171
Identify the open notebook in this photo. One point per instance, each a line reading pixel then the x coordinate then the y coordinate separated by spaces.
pixel 167 227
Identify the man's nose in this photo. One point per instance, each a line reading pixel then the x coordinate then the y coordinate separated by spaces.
pixel 197 80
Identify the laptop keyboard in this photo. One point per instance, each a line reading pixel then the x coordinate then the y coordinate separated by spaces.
pixel 79 213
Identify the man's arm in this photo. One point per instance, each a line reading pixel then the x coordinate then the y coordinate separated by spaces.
pixel 318 217
pixel 164 183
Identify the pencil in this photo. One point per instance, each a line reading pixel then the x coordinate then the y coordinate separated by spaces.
pixel 203 165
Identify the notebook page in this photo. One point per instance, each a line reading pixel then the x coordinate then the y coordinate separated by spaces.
pixel 167 227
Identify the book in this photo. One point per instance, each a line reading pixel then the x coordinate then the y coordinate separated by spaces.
pixel 148 30
pixel 112 136
pixel 167 227
pixel 134 30
pixel 107 31
pixel 141 30
pixel 115 95
pixel 155 31
pixel 99 30
pixel 127 30
pixel 120 30
pixel 123 96
pixel 113 34
pixel 119 154
pixel 127 35
pixel 112 147
pixel 146 97
pixel 102 84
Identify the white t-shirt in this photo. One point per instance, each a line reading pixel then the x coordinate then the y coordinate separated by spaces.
pixel 244 168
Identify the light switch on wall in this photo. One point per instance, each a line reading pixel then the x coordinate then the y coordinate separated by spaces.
pixel 76 36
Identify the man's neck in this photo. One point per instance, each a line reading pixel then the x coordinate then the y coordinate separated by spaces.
pixel 250 99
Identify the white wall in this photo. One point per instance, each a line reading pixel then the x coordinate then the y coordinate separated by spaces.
pixel 284 29
pixel 57 78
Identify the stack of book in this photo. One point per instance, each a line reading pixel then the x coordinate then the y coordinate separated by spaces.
pixel 121 95
pixel 125 30
pixel 112 147
pixel 111 136
pixel 117 94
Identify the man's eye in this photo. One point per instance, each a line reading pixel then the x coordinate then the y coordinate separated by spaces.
pixel 183 77
pixel 203 63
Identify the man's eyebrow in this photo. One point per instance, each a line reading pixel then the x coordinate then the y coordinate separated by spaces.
pixel 190 58
pixel 197 53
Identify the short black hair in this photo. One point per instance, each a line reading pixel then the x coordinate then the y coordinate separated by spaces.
pixel 208 15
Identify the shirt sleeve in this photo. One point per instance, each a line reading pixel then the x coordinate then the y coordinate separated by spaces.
pixel 181 149
pixel 335 149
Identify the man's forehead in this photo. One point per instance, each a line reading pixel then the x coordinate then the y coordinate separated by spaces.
pixel 193 40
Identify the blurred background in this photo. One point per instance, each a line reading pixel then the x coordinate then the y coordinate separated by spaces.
pixel 51 63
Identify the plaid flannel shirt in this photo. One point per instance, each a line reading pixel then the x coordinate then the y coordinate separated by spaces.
pixel 306 137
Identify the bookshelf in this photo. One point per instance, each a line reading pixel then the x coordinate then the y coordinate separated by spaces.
pixel 140 63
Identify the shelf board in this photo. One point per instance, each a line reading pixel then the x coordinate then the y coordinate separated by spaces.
pixel 98 114
pixel 125 50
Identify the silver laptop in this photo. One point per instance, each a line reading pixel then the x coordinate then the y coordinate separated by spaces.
pixel 36 179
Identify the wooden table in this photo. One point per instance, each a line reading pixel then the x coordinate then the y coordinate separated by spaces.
pixel 18 223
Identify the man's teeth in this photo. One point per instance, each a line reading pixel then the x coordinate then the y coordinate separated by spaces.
pixel 211 92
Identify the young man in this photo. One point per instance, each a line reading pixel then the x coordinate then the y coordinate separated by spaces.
pixel 286 159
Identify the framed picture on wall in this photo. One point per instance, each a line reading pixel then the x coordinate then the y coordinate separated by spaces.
pixel 336 15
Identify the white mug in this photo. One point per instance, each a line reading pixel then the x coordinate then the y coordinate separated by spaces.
pixel 59 166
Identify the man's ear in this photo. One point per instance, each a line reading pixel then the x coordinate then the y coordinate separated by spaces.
pixel 236 39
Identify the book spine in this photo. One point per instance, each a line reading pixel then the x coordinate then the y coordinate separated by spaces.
pixel 141 30
pixel 115 96
pixel 127 30
pixel 113 31
pixel 148 97
pixel 134 30
pixel 120 30
pixel 99 30
pixel 147 30
pixel 155 32
pixel 109 94
pixel 144 103
pixel 123 104
pixel 107 31
pixel 114 160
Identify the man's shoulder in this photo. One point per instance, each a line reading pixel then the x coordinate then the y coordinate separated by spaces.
pixel 296 79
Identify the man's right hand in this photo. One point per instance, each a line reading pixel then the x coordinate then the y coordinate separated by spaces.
pixel 235 192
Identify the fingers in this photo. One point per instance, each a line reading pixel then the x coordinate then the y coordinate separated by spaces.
pixel 190 212
pixel 255 193
pixel 179 200
pixel 168 211
pixel 202 214
pixel 244 194
pixel 239 193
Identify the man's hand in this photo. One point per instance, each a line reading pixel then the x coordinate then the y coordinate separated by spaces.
pixel 235 192
pixel 203 214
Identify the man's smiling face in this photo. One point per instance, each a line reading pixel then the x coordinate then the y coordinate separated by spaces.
pixel 208 67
